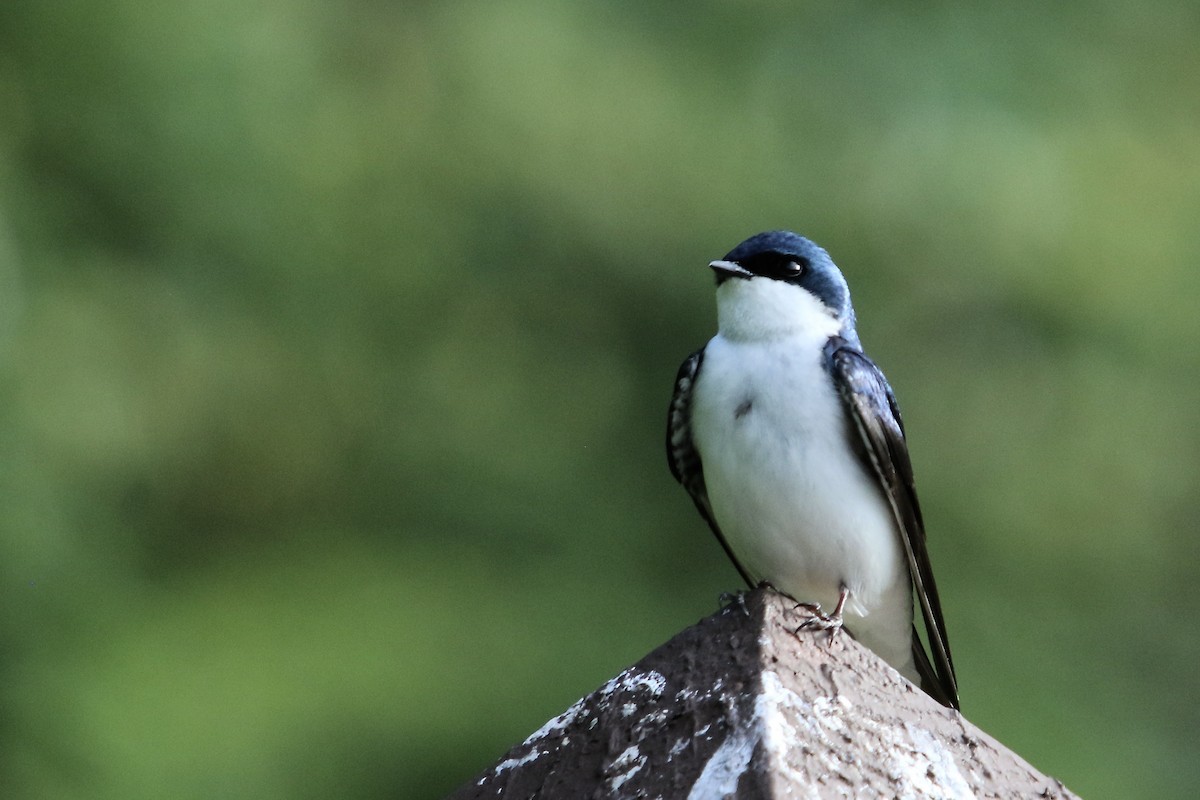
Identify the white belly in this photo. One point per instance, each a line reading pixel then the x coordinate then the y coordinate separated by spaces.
pixel 793 501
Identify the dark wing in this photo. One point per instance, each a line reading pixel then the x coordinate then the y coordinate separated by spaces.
pixel 870 404
pixel 681 453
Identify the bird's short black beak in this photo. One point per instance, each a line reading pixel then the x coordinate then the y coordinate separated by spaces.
pixel 730 269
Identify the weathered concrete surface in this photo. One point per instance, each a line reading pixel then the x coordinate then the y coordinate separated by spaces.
pixel 740 706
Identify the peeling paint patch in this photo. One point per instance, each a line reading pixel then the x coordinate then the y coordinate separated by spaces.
pixel 687 695
pixel 677 748
pixel 630 681
pixel 725 768
pixel 509 763
pixel 783 723
pixel 817 728
pixel 929 766
pixel 626 765
pixel 558 723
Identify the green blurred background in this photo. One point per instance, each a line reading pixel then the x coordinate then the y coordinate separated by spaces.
pixel 336 340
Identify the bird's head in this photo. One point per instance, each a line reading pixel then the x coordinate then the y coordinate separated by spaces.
pixel 778 284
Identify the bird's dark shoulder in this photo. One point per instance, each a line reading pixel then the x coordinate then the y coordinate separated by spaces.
pixel 682 457
pixel 866 393
pixel 871 408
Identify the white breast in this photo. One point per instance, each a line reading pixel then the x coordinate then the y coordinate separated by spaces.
pixel 793 501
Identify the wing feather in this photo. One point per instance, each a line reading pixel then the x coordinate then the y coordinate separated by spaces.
pixel 871 406
pixel 682 456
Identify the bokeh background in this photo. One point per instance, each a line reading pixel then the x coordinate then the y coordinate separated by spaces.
pixel 336 340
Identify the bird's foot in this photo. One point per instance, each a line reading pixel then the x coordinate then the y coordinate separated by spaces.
pixel 728 599
pixel 818 620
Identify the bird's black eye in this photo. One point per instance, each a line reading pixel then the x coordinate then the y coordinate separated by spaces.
pixel 788 268
pixel 779 266
pixel 793 269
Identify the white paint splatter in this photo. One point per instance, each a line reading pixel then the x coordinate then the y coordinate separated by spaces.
pixel 644 685
pixel 509 763
pixel 628 764
pixel 679 746
pixel 649 722
pixel 783 721
pixel 653 682
pixel 726 766
pixel 930 767
pixel 558 723
pixel 779 711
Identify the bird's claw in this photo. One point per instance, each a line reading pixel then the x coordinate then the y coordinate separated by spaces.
pixel 819 620
pixel 728 599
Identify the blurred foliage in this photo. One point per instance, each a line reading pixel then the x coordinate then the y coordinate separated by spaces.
pixel 336 339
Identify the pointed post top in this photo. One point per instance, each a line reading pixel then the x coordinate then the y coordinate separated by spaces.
pixel 739 705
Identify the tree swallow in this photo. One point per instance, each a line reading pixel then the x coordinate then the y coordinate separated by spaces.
pixel 789 440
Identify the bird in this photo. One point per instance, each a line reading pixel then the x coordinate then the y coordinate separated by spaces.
pixel 790 442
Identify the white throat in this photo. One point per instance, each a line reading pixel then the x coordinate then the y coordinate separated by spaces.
pixel 761 309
